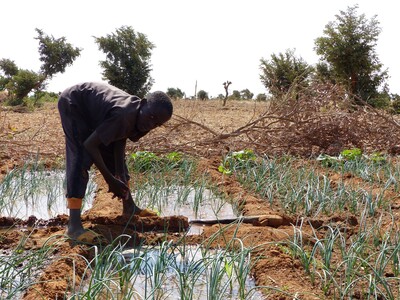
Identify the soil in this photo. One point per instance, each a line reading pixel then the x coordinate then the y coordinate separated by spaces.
pixel 38 134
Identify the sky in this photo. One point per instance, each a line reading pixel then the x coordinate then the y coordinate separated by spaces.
pixel 207 41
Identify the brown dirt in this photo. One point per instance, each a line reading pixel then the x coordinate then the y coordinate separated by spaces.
pixel 24 135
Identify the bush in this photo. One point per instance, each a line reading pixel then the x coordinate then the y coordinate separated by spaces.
pixel 142 161
pixel 237 160
pixel 35 100
pixel 351 154
pixel 396 106
pixel 41 97
pixel 261 97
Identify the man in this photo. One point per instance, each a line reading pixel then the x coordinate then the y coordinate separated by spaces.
pixel 97 120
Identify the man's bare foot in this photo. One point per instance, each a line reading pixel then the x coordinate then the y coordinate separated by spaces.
pixel 74 233
pixel 148 213
pixel 129 206
pixel 129 211
pixel 86 237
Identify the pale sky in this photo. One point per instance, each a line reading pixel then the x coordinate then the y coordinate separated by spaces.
pixel 208 41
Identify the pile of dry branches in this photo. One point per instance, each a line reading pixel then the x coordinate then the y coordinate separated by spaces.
pixel 321 119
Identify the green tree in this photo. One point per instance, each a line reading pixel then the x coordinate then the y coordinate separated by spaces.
pixel 127 65
pixel 246 94
pixel 8 69
pixel 21 85
pixel 323 73
pixel 202 95
pixel 261 97
pixel 175 93
pixel 284 72
pixel 395 103
pixel 348 47
pixel 55 54
pixel 235 95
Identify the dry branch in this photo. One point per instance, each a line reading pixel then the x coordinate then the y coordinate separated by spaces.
pixel 319 120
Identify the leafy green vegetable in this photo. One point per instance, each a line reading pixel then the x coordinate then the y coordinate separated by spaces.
pixel 351 154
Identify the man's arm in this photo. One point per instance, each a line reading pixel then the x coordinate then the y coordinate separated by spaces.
pixel 117 187
pixel 119 160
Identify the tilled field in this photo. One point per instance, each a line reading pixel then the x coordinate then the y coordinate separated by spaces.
pixel 38 134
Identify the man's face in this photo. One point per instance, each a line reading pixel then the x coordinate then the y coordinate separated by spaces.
pixel 150 117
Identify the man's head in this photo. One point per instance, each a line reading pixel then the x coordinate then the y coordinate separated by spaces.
pixel 155 109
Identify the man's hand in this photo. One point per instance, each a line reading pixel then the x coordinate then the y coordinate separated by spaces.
pixel 118 188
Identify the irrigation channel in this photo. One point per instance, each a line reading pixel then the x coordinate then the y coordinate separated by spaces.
pixel 167 271
pixel 30 192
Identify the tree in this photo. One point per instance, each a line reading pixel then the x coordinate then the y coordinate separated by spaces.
pixel 261 97
pixel 235 95
pixel 55 54
pixel 284 72
pixel 226 85
pixel 202 95
pixel 324 73
pixel 246 94
pixel 8 69
pixel 127 65
pixel 21 85
pixel 175 93
pixel 348 47
pixel 395 103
